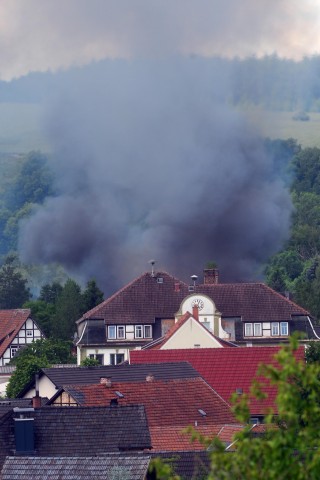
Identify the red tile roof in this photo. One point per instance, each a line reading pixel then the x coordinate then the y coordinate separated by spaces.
pixel 11 322
pixel 170 405
pixel 145 299
pixel 225 369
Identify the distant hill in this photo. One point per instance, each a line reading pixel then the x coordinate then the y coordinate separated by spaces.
pixel 269 89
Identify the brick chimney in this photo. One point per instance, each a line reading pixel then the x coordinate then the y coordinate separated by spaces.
pixel 36 401
pixel 106 381
pixel 177 287
pixel 195 312
pixel 149 377
pixel 211 276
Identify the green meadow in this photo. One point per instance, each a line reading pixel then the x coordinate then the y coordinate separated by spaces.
pixel 281 125
pixel 22 127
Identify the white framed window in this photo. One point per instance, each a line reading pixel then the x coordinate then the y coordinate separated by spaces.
pixel 138 333
pixel 274 328
pixel 29 333
pixel 147 331
pixel 116 358
pixel 284 328
pixel 248 329
pixel 121 332
pixel 112 333
pixel 13 351
pixel 257 331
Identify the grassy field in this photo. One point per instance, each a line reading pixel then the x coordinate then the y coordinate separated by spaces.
pixel 281 125
pixel 21 127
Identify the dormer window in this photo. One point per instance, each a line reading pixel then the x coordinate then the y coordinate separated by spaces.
pixel 159 280
pixel 112 333
pixel 252 330
pixel 279 329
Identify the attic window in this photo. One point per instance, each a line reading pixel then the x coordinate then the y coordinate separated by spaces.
pixel 159 280
pixel 191 288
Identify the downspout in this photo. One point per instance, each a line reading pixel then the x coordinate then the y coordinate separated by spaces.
pixel 312 327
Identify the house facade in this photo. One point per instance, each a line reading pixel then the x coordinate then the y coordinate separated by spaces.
pixel 143 311
pixel 17 329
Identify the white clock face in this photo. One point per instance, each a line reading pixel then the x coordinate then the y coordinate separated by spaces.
pixel 197 302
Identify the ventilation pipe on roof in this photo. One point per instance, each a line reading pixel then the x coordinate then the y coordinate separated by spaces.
pixel 152 262
pixel 194 278
pixel 149 377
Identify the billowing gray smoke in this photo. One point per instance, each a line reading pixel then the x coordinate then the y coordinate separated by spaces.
pixel 152 163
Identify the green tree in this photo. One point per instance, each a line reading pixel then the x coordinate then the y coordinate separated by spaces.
pixel 43 314
pixel 49 293
pixel 313 352
pixel 277 279
pixel 92 296
pixel 14 291
pixel 34 181
pixel 89 362
pixel 26 368
pixel 307 287
pixel 39 354
pixel 69 308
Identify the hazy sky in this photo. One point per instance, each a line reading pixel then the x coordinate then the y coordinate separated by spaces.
pixel 50 34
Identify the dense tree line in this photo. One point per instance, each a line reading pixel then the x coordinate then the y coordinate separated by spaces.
pixel 24 183
pixel 296 268
pixel 270 82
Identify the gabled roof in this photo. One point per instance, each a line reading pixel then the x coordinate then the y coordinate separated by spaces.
pixel 118 373
pixel 67 431
pixel 11 322
pixel 146 298
pixel 171 406
pixel 81 468
pixel 160 342
pixel 225 369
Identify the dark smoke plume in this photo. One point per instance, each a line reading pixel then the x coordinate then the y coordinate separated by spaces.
pixel 150 162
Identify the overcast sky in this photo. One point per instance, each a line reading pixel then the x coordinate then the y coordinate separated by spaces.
pixel 37 35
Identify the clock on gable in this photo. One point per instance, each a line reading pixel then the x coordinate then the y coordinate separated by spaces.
pixel 197 302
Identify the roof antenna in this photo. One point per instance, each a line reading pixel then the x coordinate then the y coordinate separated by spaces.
pixel 194 278
pixel 152 262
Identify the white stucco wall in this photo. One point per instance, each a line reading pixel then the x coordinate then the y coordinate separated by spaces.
pixel 191 335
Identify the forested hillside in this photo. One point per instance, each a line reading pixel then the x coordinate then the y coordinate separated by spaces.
pixel 271 82
pixel 296 268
